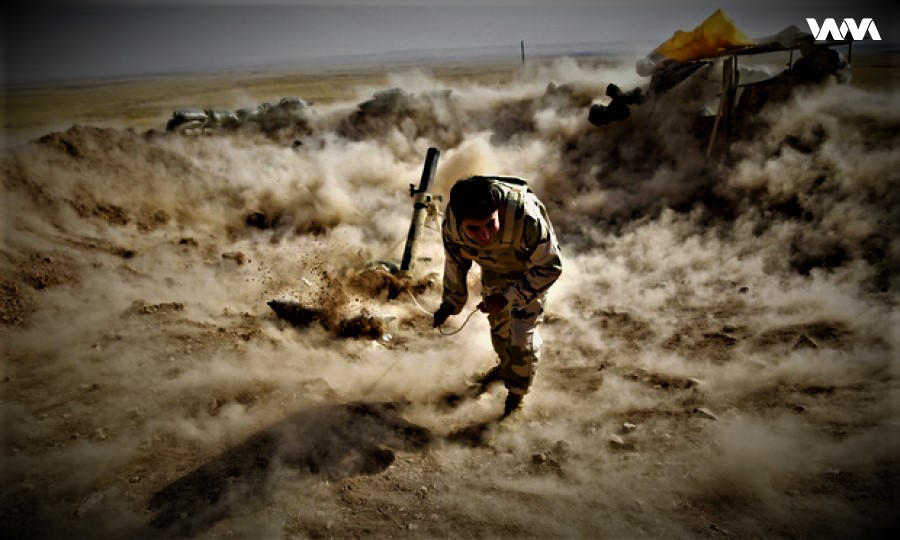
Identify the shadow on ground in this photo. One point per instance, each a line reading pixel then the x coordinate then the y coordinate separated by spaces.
pixel 473 435
pixel 332 441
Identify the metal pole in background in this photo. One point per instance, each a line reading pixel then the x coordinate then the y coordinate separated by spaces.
pixel 523 52
pixel 422 199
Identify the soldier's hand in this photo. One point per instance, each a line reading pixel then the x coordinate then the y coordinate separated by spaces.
pixel 442 314
pixel 492 304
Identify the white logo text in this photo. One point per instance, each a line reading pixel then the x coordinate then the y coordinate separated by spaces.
pixel 837 33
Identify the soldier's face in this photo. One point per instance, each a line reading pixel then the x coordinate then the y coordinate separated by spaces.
pixel 482 231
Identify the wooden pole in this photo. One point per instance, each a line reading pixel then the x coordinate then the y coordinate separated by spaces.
pixel 522 43
pixel 727 74
pixel 732 98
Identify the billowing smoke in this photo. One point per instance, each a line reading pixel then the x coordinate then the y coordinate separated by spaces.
pixel 719 353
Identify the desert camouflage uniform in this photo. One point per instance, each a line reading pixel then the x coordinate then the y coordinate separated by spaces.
pixel 521 263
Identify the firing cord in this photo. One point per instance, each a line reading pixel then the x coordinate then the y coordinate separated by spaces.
pixel 426 312
pixel 374 384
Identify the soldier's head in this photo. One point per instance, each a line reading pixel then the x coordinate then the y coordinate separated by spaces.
pixel 475 201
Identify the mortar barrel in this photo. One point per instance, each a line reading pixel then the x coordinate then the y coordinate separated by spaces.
pixel 422 198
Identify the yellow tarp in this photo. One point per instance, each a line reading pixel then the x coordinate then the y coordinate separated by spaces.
pixel 717 33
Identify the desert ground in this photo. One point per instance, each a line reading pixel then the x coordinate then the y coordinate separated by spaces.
pixel 719 355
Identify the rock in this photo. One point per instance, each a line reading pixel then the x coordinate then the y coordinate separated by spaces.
pixel 799 409
pixel 235 256
pixel 422 492
pixel 616 441
pixel 703 411
pixel 89 504
pixel 143 308
pixel 539 457
pixel 412 527
pixel 805 342
pixel 135 479
pixel 628 427
pixel 561 447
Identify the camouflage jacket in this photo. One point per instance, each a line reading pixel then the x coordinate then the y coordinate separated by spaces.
pixel 523 259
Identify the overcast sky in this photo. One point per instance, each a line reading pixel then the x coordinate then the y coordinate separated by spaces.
pixel 51 40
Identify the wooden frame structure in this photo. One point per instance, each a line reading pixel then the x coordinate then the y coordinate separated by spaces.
pixel 731 79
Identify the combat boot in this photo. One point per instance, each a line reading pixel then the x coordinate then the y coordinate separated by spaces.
pixel 512 404
pixel 481 383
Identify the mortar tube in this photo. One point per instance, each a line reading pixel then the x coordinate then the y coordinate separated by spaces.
pixel 420 206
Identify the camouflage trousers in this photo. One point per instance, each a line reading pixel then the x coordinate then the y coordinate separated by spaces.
pixel 515 336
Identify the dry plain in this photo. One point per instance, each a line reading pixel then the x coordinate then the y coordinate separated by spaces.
pixel 719 357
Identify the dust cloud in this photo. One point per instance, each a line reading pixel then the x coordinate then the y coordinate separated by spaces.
pixel 719 353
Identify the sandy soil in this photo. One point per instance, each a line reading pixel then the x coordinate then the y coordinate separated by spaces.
pixel 719 357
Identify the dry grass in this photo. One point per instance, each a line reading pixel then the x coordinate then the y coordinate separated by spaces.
pixel 147 102
pixel 144 103
pixel 876 71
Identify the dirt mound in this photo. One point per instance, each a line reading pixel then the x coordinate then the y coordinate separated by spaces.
pixel 360 326
pixel 26 273
pixel 435 115
pixel 825 334
pixel 299 315
pixel 15 304
pixel 376 282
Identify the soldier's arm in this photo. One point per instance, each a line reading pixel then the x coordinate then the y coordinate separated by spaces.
pixel 545 267
pixel 456 268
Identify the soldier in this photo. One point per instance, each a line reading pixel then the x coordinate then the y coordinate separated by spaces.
pixel 499 223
